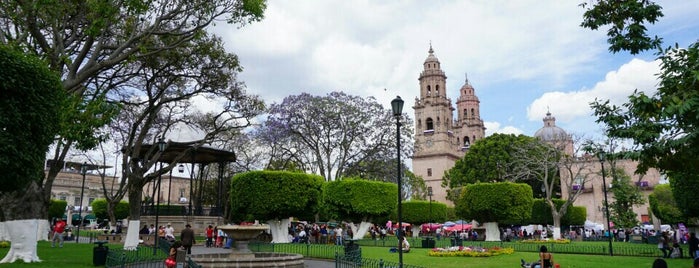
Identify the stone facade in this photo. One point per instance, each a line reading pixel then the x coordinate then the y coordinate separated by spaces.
pixel 440 139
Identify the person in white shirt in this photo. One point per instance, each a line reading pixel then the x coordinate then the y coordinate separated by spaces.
pixel 338 235
pixel 169 232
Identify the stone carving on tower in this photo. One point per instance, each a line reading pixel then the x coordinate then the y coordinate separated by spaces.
pixel 440 139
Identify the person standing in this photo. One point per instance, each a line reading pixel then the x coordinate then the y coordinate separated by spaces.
pixel 338 235
pixel 209 236
pixel 693 245
pixel 187 238
pixel 663 245
pixel 58 230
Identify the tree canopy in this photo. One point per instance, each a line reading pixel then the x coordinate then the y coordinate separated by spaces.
pixel 502 202
pixel 419 212
pixel 663 205
pixel 358 200
pixel 326 134
pixel 99 208
pixel 267 195
pixel 488 160
pixel 31 107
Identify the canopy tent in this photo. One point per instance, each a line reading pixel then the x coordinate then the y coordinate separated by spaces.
pixel 459 228
pixel 449 224
pixel 404 224
pixel 90 217
pixel 430 227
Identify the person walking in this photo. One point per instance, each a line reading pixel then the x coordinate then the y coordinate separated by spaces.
pixel 187 238
pixel 693 245
pixel 58 228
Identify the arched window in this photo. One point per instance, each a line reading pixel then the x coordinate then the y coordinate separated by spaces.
pixel 436 90
pixel 473 113
pixel 430 125
pixel 457 140
pixel 429 91
pixel 465 112
pixel 466 141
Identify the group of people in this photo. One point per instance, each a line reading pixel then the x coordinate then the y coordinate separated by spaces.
pixel 186 241
pixel 318 234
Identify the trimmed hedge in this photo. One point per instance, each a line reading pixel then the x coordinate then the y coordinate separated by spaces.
pixel 266 195
pixel 503 202
pixel 99 208
pixel 418 212
pixel 357 199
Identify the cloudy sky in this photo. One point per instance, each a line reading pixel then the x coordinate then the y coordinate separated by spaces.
pixel 522 57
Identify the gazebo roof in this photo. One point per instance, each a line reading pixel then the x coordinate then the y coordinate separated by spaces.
pixel 200 155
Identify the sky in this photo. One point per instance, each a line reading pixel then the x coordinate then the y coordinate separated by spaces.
pixel 523 58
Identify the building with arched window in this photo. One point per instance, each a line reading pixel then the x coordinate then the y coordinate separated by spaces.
pixel 440 139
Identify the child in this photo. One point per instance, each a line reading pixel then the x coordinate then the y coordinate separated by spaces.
pixel 171 260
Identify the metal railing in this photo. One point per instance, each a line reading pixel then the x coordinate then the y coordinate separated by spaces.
pixel 352 262
pixel 143 257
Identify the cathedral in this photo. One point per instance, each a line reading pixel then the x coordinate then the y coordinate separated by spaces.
pixel 440 139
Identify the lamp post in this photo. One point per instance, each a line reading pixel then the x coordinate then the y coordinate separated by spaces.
pixel 83 171
pixel 601 156
pixel 429 194
pixel 397 107
pixel 161 149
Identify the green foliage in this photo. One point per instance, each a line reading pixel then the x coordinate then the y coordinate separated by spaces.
pixel 575 215
pixel 627 19
pixel 626 196
pixel 451 213
pixel 57 208
pixel 504 202
pixel 418 212
pixel 541 213
pixel 685 190
pixel 663 205
pixel 267 195
pixel 31 100
pixel 99 208
pixel 357 200
pixel 488 160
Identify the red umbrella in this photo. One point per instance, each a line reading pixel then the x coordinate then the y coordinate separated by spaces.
pixel 404 224
pixel 430 226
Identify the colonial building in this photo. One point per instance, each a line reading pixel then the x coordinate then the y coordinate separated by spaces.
pixel 589 179
pixel 440 139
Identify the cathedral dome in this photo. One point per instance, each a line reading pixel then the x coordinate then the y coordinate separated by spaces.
pixel 550 132
pixel 431 57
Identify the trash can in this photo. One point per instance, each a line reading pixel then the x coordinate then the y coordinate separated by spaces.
pixel 99 253
pixel 428 242
pixel 352 251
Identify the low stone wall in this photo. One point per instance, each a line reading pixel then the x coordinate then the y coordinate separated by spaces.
pixel 262 259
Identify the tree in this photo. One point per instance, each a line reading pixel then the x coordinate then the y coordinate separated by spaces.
pixel 99 208
pixel 419 212
pixel 487 160
pixel 359 200
pixel 275 196
pixel 661 126
pixel 57 208
pixel 541 213
pixel 493 203
pixel 86 42
pixel 663 205
pixel 684 187
pixel 558 166
pixel 327 133
pixel 626 196
pixel 25 136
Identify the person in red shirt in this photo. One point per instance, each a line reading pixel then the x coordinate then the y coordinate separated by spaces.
pixel 209 236
pixel 58 228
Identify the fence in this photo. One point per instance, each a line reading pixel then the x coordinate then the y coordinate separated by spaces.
pixel 352 262
pixel 143 257
pixel 591 248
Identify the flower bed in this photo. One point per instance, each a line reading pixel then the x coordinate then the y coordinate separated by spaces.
pixel 469 252
pixel 545 241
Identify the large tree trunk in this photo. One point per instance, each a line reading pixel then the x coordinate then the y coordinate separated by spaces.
pixel 23 211
pixel 280 230
pixel 131 241
pixel 359 233
pixel 492 232
pixel 556 226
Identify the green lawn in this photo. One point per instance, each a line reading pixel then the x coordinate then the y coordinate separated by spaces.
pixel 418 256
pixel 80 255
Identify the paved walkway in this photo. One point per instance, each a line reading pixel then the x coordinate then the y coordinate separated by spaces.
pixel 309 263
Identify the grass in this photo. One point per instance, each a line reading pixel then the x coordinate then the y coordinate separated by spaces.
pixel 418 256
pixel 80 255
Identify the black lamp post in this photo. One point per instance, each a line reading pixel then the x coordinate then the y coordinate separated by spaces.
pixel 397 107
pixel 83 171
pixel 601 156
pixel 429 194
pixel 161 149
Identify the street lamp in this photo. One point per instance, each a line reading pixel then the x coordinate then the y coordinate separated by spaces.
pixel 397 107
pixel 429 193
pixel 601 157
pixel 161 149
pixel 83 171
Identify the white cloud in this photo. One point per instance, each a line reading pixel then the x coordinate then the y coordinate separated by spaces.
pixel 616 87
pixel 495 127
